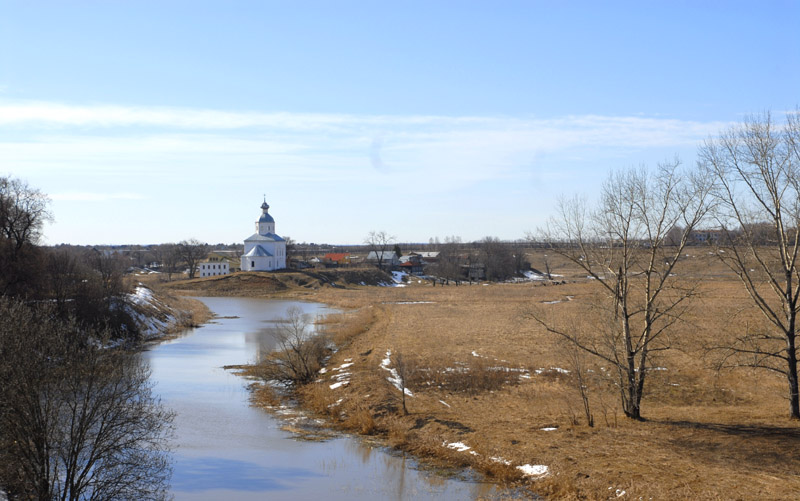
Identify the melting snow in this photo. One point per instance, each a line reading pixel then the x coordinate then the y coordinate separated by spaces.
pixel 459 446
pixel 549 428
pixel 500 460
pixel 534 470
pixel 444 403
pixel 394 378
pixel 339 384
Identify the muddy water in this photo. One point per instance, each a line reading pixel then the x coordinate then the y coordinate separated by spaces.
pixel 226 449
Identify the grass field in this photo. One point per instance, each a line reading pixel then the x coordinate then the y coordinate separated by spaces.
pixel 494 386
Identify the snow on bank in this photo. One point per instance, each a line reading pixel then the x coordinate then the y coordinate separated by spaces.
pixel 534 470
pixel 152 317
pixel 398 279
pixel 394 377
pixel 343 377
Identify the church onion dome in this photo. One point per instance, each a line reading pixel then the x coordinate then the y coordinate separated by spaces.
pixel 265 217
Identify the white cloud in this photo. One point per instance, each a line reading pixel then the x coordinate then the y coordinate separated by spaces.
pixel 491 165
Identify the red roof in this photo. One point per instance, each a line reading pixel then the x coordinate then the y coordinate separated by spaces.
pixel 337 256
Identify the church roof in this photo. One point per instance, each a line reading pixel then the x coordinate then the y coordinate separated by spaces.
pixel 266 218
pixel 258 251
pixel 269 237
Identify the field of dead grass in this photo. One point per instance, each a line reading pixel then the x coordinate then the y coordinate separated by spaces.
pixel 488 379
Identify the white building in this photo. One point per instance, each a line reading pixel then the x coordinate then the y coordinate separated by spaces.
pixel 213 269
pixel 264 250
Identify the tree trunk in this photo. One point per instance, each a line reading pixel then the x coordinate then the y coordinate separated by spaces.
pixel 791 373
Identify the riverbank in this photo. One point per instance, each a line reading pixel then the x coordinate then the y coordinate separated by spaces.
pixel 489 387
pixel 160 315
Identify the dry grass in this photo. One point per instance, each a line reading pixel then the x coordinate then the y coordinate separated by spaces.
pixel 707 435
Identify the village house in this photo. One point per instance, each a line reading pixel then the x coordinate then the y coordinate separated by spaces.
pixel 336 259
pixel 264 250
pixel 388 259
pixel 213 269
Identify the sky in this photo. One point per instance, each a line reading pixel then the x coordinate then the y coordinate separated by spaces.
pixel 158 121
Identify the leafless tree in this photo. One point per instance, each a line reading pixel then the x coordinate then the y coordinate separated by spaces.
pixel 756 166
pixel 379 242
pixel 404 368
pixel 622 248
pixel 299 351
pixel 77 421
pixel 192 252
pixel 449 260
pixel 168 256
pixel 23 212
pixel 498 259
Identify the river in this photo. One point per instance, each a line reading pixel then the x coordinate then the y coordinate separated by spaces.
pixel 226 449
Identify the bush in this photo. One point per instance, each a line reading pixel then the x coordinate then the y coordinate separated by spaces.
pixel 300 351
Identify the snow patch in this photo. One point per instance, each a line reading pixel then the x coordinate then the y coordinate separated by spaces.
pixel 394 377
pixel 458 446
pixel 339 384
pixel 534 470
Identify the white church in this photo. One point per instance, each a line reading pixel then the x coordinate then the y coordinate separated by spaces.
pixel 264 250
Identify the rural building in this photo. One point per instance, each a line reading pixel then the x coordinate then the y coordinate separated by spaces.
pixel 336 259
pixel 388 259
pixel 264 250
pixel 213 269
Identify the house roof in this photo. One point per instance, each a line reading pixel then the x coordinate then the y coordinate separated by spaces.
pixel 258 251
pixel 337 256
pixel 269 237
pixel 383 255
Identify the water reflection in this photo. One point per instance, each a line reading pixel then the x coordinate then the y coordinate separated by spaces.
pixel 205 473
pixel 227 449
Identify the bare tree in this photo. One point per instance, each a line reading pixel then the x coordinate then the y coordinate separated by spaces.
pixel 23 212
pixel 756 166
pixel 622 248
pixel 168 256
pixel 498 259
pixel 448 262
pixel 404 369
pixel 299 351
pixel 379 242
pixel 77 421
pixel 192 252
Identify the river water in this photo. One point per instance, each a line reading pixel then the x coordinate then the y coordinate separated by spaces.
pixel 226 449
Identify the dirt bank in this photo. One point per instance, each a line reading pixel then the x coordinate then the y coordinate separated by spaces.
pixel 492 390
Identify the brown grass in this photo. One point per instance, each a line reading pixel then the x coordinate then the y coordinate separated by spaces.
pixel 707 435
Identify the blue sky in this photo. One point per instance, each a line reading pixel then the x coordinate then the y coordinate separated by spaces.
pixel 149 122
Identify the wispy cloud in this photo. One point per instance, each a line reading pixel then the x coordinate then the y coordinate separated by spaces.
pixel 169 143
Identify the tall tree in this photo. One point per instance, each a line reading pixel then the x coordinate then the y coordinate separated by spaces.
pixel 497 258
pixel 23 212
pixel 379 242
pixel 192 252
pixel 622 246
pixel 756 166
